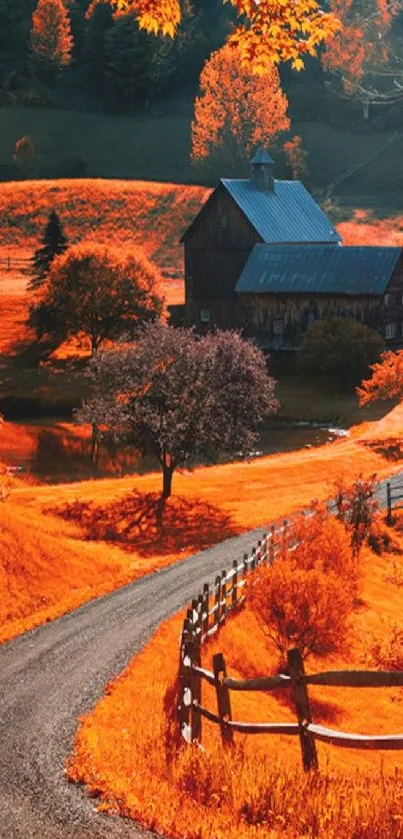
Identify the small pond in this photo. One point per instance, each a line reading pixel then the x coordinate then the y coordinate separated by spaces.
pixel 55 451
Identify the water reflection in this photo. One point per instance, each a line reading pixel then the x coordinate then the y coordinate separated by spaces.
pixel 56 451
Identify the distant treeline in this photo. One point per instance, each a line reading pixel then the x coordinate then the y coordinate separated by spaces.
pixel 113 66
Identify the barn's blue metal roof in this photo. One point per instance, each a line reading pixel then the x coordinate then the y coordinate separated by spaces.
pixel 286 214
pixel 319 270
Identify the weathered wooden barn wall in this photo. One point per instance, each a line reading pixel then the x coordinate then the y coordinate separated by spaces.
pixel 284 318
pixel 391 310
pixel 217 247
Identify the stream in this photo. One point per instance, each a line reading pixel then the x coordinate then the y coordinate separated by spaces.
pixel 55 451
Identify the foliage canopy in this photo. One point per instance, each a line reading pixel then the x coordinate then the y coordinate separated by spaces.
pixel 269 31
pixel 236 109
pixel 182 398
pixel 339 347
pixel 96 292
pixel 386 381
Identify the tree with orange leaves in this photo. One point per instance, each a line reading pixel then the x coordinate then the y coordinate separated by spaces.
pixel 386 381
pixel 236 110
pixel 362 55
pixel 51 39
pixel 270 31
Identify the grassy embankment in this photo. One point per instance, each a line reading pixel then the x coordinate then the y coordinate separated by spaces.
pixel 61 546
pixel 258 788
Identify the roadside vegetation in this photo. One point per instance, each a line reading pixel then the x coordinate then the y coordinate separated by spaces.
pixel 257 786
pixel 115 521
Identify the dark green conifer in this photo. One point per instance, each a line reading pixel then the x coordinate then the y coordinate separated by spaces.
pixel 54 242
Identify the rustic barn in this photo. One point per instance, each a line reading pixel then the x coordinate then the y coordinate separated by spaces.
pixel 238 215
pixel 283 289
pixel 262 256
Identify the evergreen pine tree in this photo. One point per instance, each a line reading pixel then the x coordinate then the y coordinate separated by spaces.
pixel 99 22
pixel 54 242
pixel 51 39
pixel 129 52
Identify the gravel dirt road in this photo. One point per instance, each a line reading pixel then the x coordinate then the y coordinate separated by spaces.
pixel 51 675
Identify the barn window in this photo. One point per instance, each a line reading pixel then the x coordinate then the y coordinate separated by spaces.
pixel 205 315
pixel 223 221
pixel 390 330
pixel 278 327
pixel 388 299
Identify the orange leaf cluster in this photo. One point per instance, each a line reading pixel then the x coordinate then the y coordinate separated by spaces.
pixel 51 38
pixel 386 381
pixel 271 30
pixel 360 45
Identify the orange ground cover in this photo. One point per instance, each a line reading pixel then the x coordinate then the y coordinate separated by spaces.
pixel 143 213
pixel 257 789
pixel 106 518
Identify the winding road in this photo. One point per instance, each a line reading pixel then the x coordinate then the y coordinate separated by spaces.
pixel 53 674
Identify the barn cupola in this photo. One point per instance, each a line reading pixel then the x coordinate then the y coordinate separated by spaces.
pixel 262 169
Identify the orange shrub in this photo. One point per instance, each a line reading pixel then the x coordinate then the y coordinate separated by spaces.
pixel 322 542
pixel 300 607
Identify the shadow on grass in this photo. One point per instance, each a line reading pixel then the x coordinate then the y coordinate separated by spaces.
pixel 322 711
pixel 390 448
pixel 145 523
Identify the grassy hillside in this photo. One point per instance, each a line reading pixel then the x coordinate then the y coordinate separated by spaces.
pixel 149 146
pixel 148 214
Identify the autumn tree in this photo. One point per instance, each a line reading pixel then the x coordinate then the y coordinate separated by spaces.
pixel 25 155
pixel 51 40
pixel 184 399
pixel 98 293
pixel 236 110
pixel 296 158
pixel 386 381
pixel 339 347
pixel 365 53
pixel 54 242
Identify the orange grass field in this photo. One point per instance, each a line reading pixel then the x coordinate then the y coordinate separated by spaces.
pixel 63 545
pixel 126 749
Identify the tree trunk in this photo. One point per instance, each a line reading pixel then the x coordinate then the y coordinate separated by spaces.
pixel 167 472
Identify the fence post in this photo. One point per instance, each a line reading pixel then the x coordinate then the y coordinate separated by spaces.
pixel 245 566
pixel 217 600
pixel 253 563
pixel 272 546
pixel 301 700
pixel 185 694
pixel 224 596
pixel 223 698
pixel 389 503
pixel 195 680
pixel 205 612
pixel 264 549
pixel 234 597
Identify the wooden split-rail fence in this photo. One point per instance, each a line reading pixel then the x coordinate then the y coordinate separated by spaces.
pixel 11 263
pixel 205 616
pixel 394 499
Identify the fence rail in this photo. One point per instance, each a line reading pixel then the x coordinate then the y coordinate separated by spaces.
pixel 208 612
pixel 10 263
pixel 394 492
